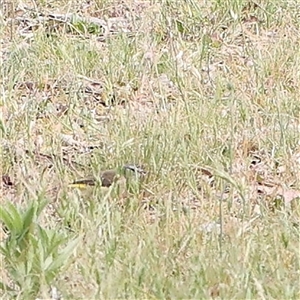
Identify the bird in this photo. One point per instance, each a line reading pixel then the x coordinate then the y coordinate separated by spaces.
pixel 108 177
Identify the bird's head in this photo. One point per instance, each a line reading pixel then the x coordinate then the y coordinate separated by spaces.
pixel 139 170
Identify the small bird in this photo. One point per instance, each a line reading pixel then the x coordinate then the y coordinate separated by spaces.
pixel 108 177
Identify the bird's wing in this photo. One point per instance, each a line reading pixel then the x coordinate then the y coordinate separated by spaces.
pixel 109 177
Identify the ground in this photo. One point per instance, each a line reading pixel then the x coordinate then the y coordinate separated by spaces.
pixel 204 95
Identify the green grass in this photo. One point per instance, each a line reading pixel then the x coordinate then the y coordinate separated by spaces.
pixel 194 91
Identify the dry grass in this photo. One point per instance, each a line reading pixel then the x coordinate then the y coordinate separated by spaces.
pixel 205 95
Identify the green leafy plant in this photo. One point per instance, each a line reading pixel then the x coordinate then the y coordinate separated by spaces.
pixel 33 255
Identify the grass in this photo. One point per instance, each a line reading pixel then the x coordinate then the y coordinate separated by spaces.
pixel 205 96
